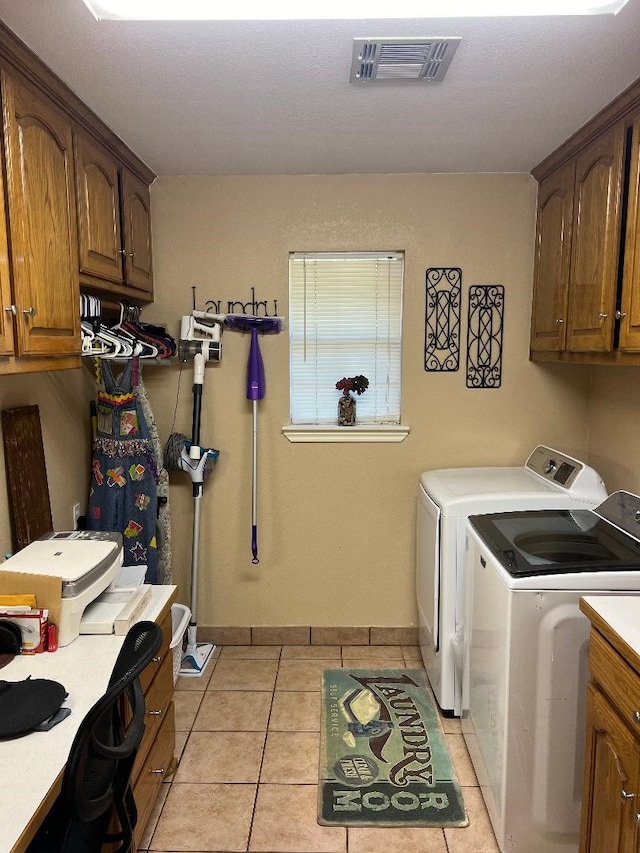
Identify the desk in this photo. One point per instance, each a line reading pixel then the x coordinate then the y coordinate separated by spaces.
pixel 31 767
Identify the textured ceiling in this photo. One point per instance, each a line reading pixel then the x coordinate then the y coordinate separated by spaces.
pixel 275 98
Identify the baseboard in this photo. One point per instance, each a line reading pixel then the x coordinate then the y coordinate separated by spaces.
pixel 303 635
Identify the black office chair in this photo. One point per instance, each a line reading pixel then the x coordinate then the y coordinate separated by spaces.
pixel 96 781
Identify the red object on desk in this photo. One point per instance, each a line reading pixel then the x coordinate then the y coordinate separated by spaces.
pixel 52 638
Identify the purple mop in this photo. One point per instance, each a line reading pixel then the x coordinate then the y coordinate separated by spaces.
pixel 255 391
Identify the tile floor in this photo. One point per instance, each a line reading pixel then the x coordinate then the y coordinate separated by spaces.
pixel 248 735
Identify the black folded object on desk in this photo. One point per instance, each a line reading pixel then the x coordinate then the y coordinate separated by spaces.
pixel 33 704
pixel 10 641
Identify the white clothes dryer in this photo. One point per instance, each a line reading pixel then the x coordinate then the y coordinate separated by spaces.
pixel 446 498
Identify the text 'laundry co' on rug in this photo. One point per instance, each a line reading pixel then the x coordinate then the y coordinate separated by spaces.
pixel 383 755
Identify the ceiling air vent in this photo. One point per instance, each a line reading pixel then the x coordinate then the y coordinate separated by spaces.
pixel 402 60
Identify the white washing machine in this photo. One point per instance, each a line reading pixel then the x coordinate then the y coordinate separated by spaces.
pixel 526 667
pixel 446 498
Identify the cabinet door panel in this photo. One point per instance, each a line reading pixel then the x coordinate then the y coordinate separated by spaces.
pixel 42 222
pixel 6 299
pixel 553 255
pixel 136 207
pixel 612 773
pixel 630 304
pixel 98 197
pixel 595 243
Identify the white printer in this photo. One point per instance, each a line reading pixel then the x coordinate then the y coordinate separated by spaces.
pixel 86 560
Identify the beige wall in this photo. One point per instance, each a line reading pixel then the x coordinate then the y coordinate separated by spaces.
pixel 614 426
pixel 336 521
pixel 63 400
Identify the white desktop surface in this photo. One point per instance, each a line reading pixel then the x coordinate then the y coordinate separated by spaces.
pixel 30 765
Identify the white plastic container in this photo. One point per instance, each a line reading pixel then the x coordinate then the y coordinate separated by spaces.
pixel 180 615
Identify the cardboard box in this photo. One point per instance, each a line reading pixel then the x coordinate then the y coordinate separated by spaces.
pixel 47 590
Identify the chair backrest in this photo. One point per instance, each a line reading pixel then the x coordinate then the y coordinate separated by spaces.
pixel 104 749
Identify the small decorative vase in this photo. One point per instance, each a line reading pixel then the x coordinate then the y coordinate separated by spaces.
pixel 346 411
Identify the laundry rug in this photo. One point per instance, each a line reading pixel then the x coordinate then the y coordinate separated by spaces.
pixel 383 755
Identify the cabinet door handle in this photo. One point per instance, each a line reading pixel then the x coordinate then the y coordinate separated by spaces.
pixel 559 321
pixel 602 316
pixel 620 315
pixel 159 772
pixel 636 716
pixel 11 310
pixel 31 311
pixel 625 796
pixel 157 660
pixel 155 713
pixel 132 254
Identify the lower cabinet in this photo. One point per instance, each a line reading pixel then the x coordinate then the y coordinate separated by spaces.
pixel 157 765
pixel 155 759
pixel 611 791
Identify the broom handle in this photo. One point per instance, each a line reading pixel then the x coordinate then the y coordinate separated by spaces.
pixel 254 490
pixel 193 622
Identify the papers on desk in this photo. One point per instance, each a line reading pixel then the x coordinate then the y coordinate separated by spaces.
pixel 130 576
pixel 120 606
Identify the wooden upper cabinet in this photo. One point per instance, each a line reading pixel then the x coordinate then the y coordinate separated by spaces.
pixel 630 302
pixel 98 197
pixel 42 222
pixel 136 219
pixel 114 223
pixel 552 259
pixel 595 243
pixel 7 344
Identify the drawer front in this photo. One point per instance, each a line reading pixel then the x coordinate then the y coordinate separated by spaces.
pixel 147 786
pixel 149 673
pixel 157 702
pixel 616 678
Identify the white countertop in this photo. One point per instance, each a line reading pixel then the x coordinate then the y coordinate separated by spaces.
pixel 30 765
pixel 622 614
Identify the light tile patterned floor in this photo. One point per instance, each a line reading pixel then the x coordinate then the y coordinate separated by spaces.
pixel 248 735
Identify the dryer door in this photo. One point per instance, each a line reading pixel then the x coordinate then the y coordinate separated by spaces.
pixel 428 567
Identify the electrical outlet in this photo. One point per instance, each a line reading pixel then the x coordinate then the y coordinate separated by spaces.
pixel 76 516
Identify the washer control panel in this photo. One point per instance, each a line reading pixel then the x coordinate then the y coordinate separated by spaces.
pixel 555 466
pixel 569 474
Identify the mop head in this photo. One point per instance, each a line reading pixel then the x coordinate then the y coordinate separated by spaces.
pixel 246 322
pixel 177 457
pixel 195 659
pixel 173 451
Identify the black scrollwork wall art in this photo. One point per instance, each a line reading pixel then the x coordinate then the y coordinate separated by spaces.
pixel 484 339
pixel 442 319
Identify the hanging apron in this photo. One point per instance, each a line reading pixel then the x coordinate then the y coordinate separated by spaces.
pixel 123 495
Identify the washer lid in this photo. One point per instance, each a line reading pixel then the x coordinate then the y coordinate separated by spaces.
pixel 549 475
pixel 554 542
pixel 464 491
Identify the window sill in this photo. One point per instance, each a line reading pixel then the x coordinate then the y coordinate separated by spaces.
pixel 326 433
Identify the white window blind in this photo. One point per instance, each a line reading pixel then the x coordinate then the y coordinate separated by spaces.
pixel 345 319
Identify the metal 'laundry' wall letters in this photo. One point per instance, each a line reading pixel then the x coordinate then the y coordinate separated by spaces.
pixel 254 307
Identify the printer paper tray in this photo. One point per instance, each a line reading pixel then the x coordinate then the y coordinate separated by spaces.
pixel 115 611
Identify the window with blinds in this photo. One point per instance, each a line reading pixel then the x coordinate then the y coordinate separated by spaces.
pixel 345 319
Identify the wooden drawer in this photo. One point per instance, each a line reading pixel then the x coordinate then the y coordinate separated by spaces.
pixel 154 770
pixel 157 702
pixel 616 679
pixel 149 673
